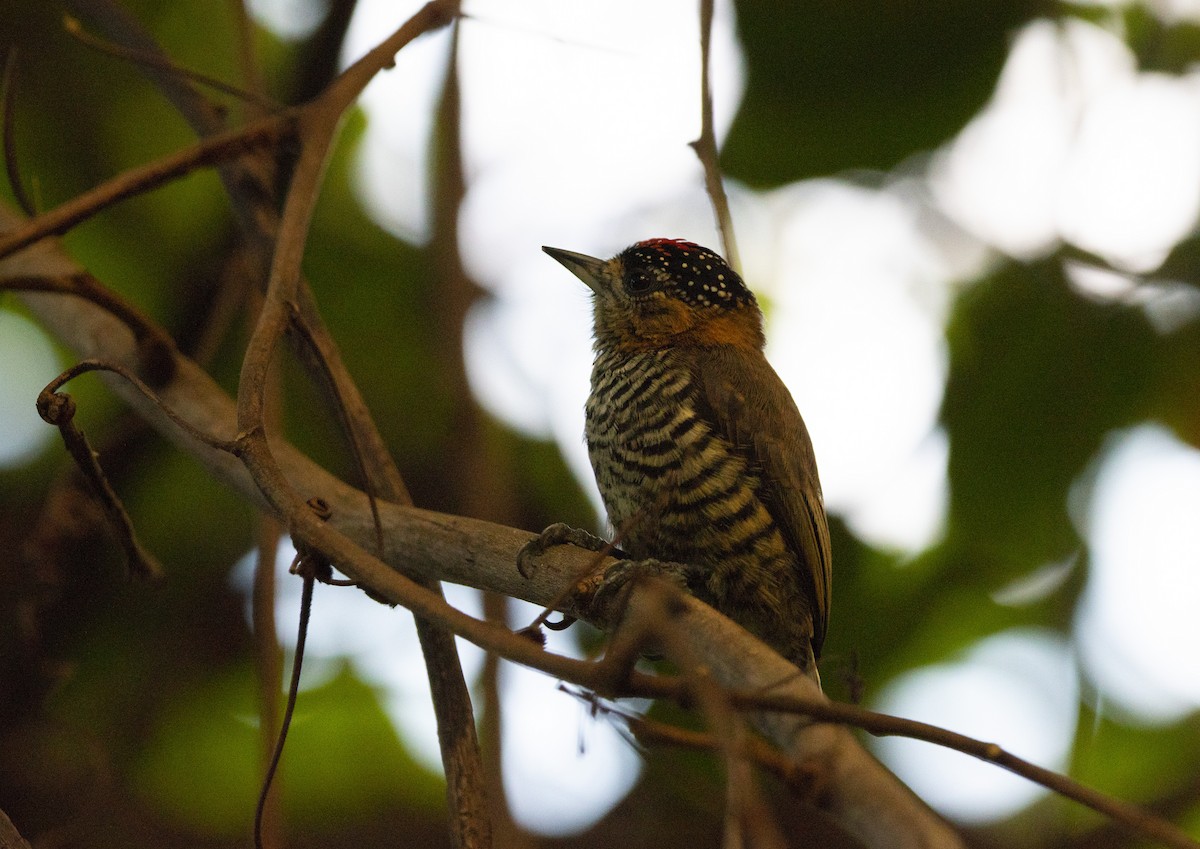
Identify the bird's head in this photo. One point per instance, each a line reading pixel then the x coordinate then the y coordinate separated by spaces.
pixel 666 292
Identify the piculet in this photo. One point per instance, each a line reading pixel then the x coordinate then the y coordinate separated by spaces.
pixel 699 451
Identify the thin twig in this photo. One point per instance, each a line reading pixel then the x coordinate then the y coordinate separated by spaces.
pixel 59 410
pixel 306 596
pixel 155 348
pixel 48 394
pixel 1136 819
pixel 649 732
pixel 9 87
pixel 706 145
pixel 137 180
pixel 325 376
pixel 481 554
pixel 269 666
pixel 152 60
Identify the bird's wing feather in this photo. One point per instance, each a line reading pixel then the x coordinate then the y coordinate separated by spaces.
pixel 756 413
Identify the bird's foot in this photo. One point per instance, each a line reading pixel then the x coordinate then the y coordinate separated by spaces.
pixel 607 604
pixel 559 533
pixel 621 576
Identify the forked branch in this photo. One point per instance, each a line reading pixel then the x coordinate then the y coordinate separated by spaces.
pixel 781 704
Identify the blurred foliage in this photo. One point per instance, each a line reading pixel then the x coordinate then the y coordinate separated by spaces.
pixel 1172 47
pixel 127 712
pixel 1030 358
pixel 853 84
pixel 200 765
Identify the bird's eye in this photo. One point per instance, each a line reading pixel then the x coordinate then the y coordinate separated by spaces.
pixel 639 283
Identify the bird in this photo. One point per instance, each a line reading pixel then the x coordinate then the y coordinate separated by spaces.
pixel 700 454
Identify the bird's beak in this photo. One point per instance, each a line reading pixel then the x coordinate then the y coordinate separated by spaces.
pixel 587 268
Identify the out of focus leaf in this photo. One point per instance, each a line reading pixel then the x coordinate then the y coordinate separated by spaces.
pixel 1038 375
pixel 1172 47
pixel 201 765
pixel 1144 764
pixel 344 759
pixel 849 84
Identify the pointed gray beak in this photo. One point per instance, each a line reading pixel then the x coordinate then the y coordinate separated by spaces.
pixel 587 268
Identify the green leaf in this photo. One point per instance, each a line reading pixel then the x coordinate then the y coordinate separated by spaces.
pixel 1038 376
pixel 835 85
pixel 201 767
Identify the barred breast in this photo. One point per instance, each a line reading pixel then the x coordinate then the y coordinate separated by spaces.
pixel 676 489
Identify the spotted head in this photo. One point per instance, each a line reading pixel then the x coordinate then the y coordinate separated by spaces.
pixel 663 292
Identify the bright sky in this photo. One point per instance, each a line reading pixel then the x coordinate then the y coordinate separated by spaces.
pixel 1076 143
pixel 29 364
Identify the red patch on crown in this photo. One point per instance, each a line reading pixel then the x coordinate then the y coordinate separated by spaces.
pixel 664 244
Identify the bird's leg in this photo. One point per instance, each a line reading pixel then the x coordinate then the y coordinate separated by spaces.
pixel 560 533
pixel 610 598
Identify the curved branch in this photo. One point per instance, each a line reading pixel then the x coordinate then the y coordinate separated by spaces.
pixel 858 791
pixel 8 99
pixel 250 183
pixel 436 546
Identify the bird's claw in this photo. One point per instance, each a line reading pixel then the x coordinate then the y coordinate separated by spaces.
pixel 559 533
pixel 623 574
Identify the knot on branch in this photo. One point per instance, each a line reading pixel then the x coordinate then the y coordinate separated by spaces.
pixel 59 410
pixel 55 409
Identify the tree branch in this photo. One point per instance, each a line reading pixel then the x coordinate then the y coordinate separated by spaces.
pixel 481 554
pixel 10 838
pixel 318 124
pixel 138 180
pixel 706 145
pixel 250 184
pixel 856 790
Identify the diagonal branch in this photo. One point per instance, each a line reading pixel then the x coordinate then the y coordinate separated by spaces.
pixel 59 410
pixel 155 60
pixel 10 838
pixel 858 792
pixel 437 546
pixel 138 180
pixel 250 184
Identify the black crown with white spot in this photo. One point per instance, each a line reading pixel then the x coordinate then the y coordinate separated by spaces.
pixel 684 270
